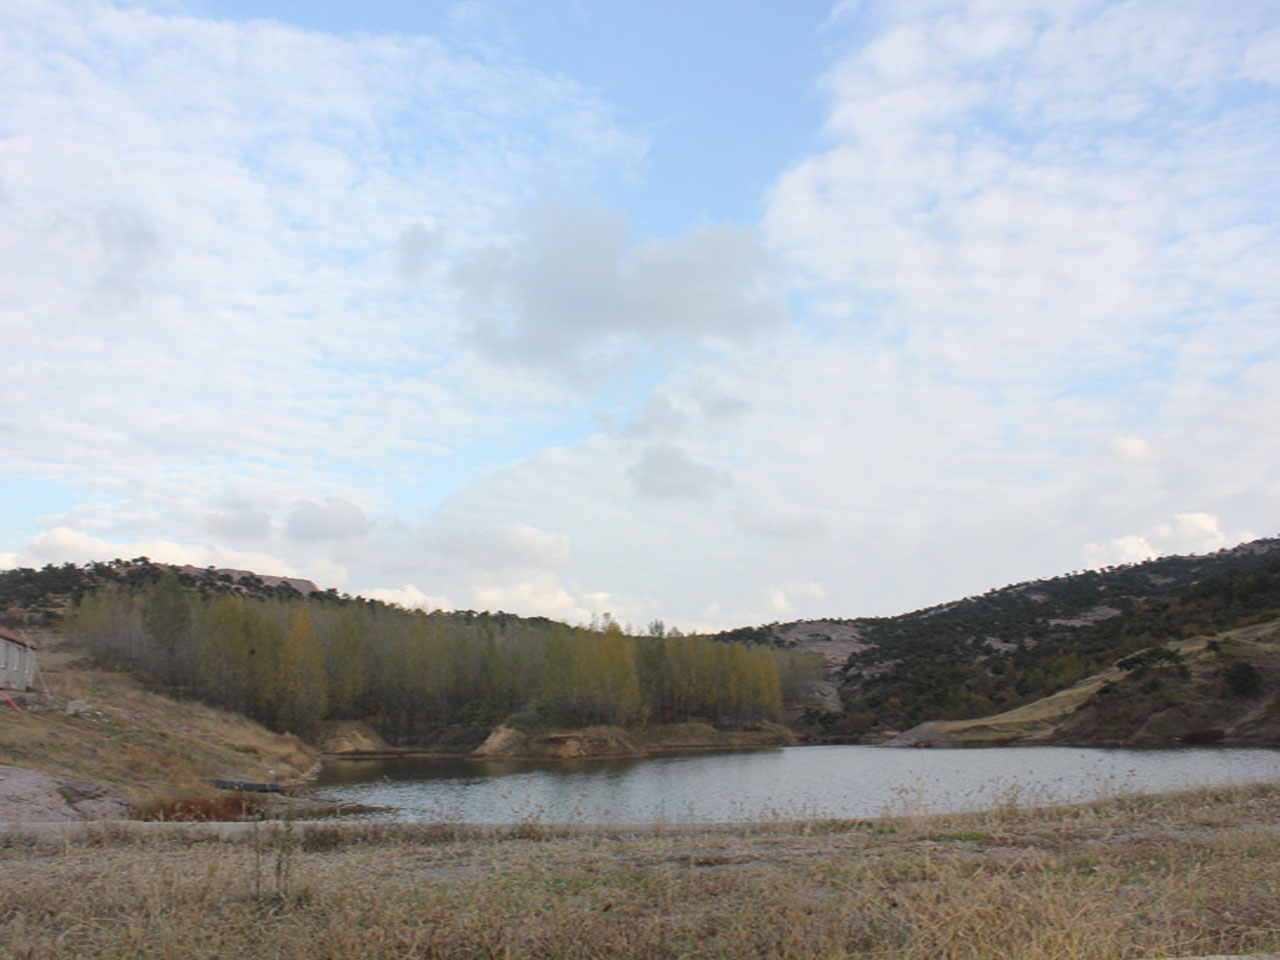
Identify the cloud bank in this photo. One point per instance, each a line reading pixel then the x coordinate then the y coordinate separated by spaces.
pixel 353 308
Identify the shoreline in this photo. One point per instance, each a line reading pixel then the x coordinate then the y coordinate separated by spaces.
pixel 409 754
pixel 416 754
pixel 585 743
pixel 110 829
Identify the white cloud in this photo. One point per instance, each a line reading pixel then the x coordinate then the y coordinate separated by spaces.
pixel 65 545
pixel 197 240
pixel 1186 533
pixel 1262 59
pixel 540 597
pixel 665 471
pixel 239 522
pixel 1025 193
pixel 335 519
pixel 1130 549
pixel 1132 449
pixel 414 250
pixel 494 546
pixel 779 598
pixel 409 597
pixel 284 291
pixel 577 293
pixel 779 526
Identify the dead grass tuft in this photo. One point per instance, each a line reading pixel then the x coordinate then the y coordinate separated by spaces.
pixel 226 806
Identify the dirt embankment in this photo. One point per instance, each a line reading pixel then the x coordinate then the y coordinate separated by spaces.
pixel 350 737
pixel 510 743
pixel 1158 706
pixel 102 744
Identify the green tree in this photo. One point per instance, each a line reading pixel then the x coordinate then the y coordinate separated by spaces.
pixel 301 685
pixel 1243 679
pixel 166 618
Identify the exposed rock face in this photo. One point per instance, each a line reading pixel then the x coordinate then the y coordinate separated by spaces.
pixel 304 587
pixel 349 737
pixel 508 742
pixel 31 796
pixel 511 743
pixel 927 734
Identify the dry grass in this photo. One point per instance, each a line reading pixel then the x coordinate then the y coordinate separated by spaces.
pixel 105 726
pixel 225 807
pixel 1181 874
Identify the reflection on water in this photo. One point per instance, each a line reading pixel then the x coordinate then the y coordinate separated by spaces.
pixel 778 783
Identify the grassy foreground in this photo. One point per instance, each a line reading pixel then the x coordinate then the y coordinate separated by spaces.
pixel 1172 875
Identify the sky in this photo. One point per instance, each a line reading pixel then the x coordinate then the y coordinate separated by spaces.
pixel 717 313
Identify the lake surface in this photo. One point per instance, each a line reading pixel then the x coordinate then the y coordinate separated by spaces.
pixel 786 783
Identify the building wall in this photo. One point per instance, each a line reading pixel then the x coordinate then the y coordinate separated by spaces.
pixel 17 665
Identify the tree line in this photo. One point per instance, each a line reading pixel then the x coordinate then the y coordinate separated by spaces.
pixel 295 663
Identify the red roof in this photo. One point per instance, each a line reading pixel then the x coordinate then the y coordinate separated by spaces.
pixel 11 636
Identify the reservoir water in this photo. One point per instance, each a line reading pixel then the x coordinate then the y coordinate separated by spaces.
pixel 780 783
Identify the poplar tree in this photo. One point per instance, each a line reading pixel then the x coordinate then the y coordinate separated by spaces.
pixel 301 702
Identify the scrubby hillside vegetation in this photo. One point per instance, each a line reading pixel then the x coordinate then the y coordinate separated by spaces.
pixel 43 597
pixel 1219 689
pixel 1016 644
pixel 294 662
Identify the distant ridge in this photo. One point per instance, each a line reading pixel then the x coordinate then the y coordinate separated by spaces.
pixel 1011 645
pixel 30 596
pixel 304 587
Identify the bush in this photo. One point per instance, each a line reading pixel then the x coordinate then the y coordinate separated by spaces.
pixel 1243 679
pixel 1140 662
pixel 533 717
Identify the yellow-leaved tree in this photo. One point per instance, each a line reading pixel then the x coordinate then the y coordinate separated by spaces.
pixel 300 677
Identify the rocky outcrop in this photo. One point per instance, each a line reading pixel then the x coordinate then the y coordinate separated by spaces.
pixel 349 737
pixel 588 742
pixel 510 743
pixel 30 796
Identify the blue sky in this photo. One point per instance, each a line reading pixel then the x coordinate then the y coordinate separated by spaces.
pixel 714 87
pixel 718 313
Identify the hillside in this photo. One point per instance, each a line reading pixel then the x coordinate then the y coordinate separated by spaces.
pixel 297 658
pixel 45 596
pixel 1013 645
pixel 100 735
pixel 1223 690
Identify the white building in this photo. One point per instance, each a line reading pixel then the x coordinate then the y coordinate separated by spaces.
pixel 17 661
